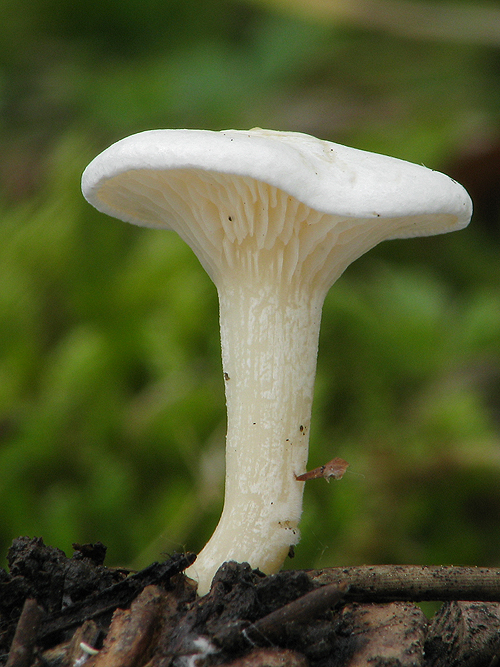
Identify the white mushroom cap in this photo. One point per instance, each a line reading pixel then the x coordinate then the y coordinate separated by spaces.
pixel 325 176
pixel 274 218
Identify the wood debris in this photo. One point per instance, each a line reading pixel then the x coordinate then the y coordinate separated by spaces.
pixel 74 612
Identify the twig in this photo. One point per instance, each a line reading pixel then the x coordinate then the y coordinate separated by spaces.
pixel 385 583
pixel 302 610
pixel 21 650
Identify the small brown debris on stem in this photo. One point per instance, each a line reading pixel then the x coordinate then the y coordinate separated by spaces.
pixel 23 644
pixel 334 468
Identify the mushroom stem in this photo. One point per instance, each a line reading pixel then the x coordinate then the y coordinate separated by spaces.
pixel 269 348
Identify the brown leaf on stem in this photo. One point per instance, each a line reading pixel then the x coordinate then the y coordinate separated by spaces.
pixel 334 468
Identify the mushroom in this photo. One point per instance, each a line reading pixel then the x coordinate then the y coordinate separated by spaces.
pixel 274 218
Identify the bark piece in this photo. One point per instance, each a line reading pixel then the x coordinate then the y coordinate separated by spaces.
pixel 71 653
pixel 464 634
pixel 84 639
pixel 23 644
pixel 120 594
pixel 266 657
pixel 413 582
pixel 131 632
pixel 175 622
pixel 381 634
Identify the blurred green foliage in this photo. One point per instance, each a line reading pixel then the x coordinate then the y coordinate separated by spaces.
pixel 112 416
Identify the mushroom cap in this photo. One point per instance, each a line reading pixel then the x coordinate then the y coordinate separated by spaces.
pixel 327 177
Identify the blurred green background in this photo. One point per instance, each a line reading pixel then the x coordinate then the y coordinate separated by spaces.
pixel 112 414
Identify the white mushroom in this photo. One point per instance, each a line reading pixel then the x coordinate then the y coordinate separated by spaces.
pixel 274 218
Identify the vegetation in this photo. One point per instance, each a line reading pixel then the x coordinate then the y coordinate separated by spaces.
pixel 112 415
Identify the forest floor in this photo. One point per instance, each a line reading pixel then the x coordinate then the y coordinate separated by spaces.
pixel 57 611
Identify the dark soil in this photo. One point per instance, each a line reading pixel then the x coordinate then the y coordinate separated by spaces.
pixel 57 611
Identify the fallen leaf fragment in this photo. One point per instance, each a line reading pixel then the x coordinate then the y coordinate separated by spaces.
pixel 334 468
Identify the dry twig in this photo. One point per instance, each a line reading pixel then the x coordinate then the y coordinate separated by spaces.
pixel 387 583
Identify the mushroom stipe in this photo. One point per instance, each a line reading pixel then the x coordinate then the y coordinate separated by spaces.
pixel 274 218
